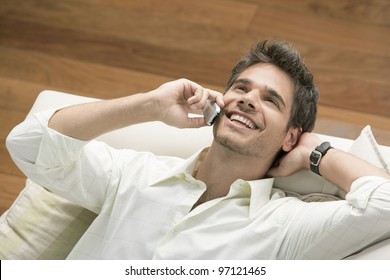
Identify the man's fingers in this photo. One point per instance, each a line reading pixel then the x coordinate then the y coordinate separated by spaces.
pixel 218 98
pixel 201 95
pixel 195 122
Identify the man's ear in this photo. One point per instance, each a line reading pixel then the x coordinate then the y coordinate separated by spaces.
pixel 291 139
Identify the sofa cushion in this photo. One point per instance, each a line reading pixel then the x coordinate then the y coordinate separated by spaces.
pixel 41 225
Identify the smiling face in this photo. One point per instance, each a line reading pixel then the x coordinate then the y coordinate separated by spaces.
pixel 256 113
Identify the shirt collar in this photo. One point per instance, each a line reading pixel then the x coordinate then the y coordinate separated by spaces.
pixel 185 168
pixel 259 191
pixel 260 194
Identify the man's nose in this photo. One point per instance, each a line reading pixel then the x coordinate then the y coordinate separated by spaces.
pixel 249 101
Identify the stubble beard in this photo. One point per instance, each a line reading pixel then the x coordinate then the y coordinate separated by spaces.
pixel 243 149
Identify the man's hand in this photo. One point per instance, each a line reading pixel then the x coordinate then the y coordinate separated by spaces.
pixel 297 158
pixel 176 99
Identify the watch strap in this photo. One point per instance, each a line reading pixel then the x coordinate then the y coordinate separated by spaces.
pixel 316 156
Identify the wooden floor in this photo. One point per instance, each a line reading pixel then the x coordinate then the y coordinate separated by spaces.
pixel 113 48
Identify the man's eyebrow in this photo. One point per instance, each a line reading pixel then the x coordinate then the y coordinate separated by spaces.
pixel 275 94
pixel 268 89
pixel 243 81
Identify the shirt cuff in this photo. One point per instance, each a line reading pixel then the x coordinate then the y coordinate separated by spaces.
pixel 362 189
pixel 56 149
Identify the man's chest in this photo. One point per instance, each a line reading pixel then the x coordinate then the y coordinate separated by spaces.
pixel 158 221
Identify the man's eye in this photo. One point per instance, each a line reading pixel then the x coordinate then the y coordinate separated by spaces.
pixel 273 102
pixel 241 88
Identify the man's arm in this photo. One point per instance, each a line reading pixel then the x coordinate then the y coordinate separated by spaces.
pixel 170 103
pixel 337 166
pixel 70 167
pixel 343 169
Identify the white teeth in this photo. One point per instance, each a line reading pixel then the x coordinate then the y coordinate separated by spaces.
pixel 243 120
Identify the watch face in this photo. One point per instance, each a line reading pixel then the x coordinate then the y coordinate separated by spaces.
pixel 315 158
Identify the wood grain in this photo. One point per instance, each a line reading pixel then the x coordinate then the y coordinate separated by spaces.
pixel 107 49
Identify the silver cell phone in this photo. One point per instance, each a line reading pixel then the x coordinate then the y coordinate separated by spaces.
pixel 210 112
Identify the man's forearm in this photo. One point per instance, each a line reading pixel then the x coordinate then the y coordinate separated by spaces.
pixel 337 166
pixel 87 121
pixel 343 169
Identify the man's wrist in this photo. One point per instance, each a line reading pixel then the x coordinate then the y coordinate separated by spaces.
pixel 316 156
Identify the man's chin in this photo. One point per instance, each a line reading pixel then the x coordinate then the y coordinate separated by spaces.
pixel 234 146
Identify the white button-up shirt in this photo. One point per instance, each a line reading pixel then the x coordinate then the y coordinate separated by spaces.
pixel 144 205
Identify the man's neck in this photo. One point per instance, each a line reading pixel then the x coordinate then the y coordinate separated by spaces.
pixel 220 167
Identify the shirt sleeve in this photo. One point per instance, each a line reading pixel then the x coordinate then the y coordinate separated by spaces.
pixel 337 229
pixel 81 171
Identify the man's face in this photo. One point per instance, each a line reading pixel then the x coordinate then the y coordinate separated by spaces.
pixel 256 113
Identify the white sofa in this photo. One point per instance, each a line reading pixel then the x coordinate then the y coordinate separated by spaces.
pixel 41 225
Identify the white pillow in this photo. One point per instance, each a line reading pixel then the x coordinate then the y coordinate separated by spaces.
pixel 41 225
pixel 366 147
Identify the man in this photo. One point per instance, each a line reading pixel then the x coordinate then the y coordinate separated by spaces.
pixel 218 204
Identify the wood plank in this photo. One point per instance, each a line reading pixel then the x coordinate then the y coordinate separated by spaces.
pixel 204 12
pixel 373 12
pixel 95 86
pixel 350 131
pixel 18 95
pixel 116 22
pixel 308 27
pixel 340 84
pixel 129 31
pixel 353 94
pixel 336 62
pixel 118 53
pixel 72 76
pixel 89 79
pixel 9 119
pixel 348 124
pixel 356 118
pixel 7 166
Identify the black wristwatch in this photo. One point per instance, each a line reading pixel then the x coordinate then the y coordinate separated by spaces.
pixel 316 156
